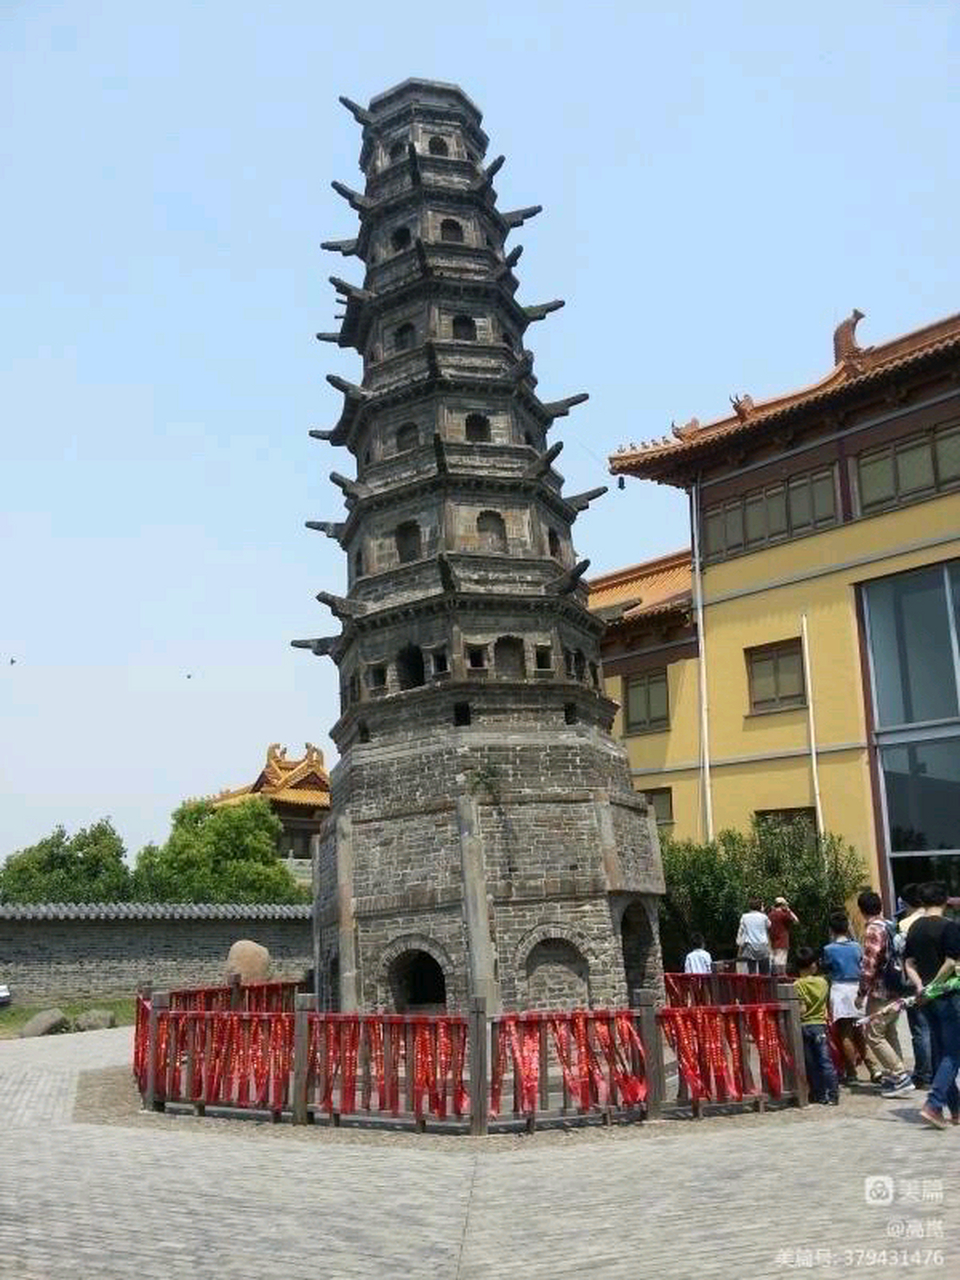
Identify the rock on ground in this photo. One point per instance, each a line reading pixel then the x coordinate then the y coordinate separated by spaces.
pixel 249 960
pixel 95 1020
pixel 45 1023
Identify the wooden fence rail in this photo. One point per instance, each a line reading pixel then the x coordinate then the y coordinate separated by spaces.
pixel 270 1051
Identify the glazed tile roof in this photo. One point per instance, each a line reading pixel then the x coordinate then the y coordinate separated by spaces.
pixel 855 367
pixel 301 782
pixel 644 590
pixel 154 911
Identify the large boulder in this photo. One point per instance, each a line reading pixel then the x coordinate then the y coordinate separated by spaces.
pixel 95 1020
pixel 249 960
pixel 45 1023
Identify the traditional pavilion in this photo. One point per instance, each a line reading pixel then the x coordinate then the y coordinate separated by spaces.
pixel 299 794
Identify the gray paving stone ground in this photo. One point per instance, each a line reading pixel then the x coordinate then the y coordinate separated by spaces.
pixel 98 1194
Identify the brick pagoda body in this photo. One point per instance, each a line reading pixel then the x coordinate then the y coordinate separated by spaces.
pixel 484 837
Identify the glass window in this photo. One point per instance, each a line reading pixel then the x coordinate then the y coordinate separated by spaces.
pixel 824 499
pixel 776 676
pixel 915 467
pixel 713 532
pixel 776 511
pixel 661 801
pixel 754 519
pixel 876 479
pixel 948 456
pixel 911 648
pixel 801 511
pixel 646 701
pixel 922 784
pixel 733 526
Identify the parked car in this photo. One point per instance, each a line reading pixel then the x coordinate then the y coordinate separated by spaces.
pixel 5 996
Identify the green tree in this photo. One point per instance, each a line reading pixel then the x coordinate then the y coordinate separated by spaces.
pixel 86 867
pixel 708 885
pixel 226 854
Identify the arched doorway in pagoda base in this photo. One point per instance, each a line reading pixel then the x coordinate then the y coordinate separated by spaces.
pixel 417 983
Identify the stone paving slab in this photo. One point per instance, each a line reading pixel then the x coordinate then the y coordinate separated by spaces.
pixel 145 1197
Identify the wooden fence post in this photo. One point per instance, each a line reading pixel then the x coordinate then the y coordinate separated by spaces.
pixel 236 992
pixel 787 996
pixel 651 1038
pixel 161 1000
pixel 479 1086
pixel 301 1047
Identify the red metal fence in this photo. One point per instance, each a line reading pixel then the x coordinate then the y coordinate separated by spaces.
pixel 274 1053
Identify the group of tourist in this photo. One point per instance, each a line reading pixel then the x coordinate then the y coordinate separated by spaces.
pixel 861 990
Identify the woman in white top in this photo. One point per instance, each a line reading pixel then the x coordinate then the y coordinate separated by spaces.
pixel 753 939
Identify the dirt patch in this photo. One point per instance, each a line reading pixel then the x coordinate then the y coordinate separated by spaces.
pixel 109 1096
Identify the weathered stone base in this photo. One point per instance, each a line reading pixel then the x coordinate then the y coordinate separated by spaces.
pixel 519 866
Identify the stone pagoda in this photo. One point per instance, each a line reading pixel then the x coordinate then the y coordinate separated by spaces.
pixel 484 837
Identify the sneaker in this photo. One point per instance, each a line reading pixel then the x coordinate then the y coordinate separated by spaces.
pixel 901 1087
pixel 955 1117
pixel 929 1116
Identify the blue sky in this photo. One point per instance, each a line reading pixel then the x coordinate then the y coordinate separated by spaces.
pixel 721 185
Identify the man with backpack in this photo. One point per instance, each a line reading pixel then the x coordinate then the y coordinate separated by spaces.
pixel 931 941
pixel 881 980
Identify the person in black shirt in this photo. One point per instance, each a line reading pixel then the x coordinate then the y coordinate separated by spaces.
pixel 932 950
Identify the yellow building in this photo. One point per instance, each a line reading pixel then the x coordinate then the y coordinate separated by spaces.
pixel 807 658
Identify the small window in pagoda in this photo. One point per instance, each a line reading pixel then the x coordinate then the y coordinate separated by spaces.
pixel 398 150
pixel 491 531
pixel 477 656
pixel 403 337
pixel 377 677
pixel 400 239
pixel 464 329
pixel 579 664
pixel 451 231
pixel 407 539
pixel 461 713
pixel 358 565
pixel 477 428
pixel 553 538
pixel 570 713
pixel 408 437
pixel 544 657
pixel 440 665
pixel 363 731
pixel 438 147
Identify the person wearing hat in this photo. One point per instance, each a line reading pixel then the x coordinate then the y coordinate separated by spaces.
pixel 782 921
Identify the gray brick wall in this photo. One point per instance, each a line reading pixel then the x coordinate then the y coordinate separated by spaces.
pixel 57 959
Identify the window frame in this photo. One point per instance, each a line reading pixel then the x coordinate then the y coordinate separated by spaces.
pixel 734 513
pixel 651 793
pixel 901 497
pixel 650 725
pixel 789 702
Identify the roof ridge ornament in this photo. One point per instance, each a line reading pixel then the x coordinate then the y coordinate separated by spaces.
pixel 687 430
pixel 846 349
pixel 743 406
